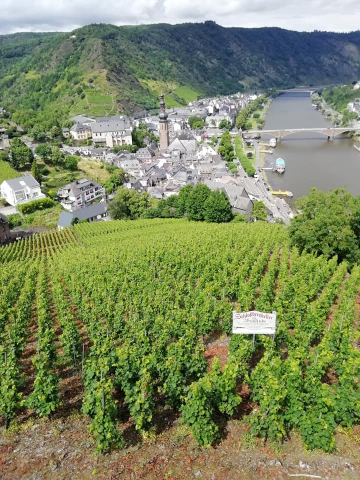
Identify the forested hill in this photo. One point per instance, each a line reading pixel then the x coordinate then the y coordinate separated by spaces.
pixel 102 69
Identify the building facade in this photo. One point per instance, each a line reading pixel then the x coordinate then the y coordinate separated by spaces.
pixel 80 194
pixel 21 190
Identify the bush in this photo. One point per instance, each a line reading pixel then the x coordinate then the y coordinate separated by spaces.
pixel 35 205
pixel 44 171
pixel 14 221
pixel 238 218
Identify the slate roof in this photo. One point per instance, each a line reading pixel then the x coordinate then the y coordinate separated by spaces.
pixel 15 183
pixel 85 213
pixel 111 126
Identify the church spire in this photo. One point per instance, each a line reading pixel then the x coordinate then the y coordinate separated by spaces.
pixel 163 125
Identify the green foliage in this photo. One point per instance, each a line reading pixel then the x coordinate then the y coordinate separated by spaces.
pixel 139 134
pixel 217 208
pixel 244 160
pixel 196 122
pixel 116 180
pixel 38 132
pixel 226 124
pixel 328 224
pixel 20 154
pixel 38 86
pixel 44 151
pixel 55 132
pixel 128 204
pixel 238 218
pixel 214 392
pixel 259 211
pixel 128 148
pixel 34 205
pixel 7 172
pixel 10 383
pixel 57 156
pixel 15 220
pixel 196 201
pixel 4 156
pixel 35 171
pixel 242 118
pixel 339 97
pixel 226 148
pixel 71 162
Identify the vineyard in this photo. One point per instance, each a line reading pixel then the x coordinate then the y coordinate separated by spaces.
pixel 126 312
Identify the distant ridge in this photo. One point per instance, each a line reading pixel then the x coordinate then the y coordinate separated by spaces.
pixel 103 69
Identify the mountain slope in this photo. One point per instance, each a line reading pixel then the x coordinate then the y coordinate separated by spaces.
pixel 103 69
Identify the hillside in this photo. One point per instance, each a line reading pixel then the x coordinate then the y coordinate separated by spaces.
pixel 125 328
pixel 102 69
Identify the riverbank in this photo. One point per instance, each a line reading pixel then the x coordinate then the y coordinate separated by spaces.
pixel 331 114
pixel 311 160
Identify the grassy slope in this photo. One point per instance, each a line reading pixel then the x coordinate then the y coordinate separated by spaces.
pixel 108 69
pixel 339 97
pixel 7 172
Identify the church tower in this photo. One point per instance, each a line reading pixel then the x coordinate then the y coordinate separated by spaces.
pixel 164 126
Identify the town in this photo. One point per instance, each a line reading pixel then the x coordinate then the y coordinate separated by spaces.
pixel 178 147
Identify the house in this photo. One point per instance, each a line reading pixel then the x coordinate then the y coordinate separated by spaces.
pixel 182 147
pixel 80 131
pixel 238 197
pixel 112 131
pixel 21 190
pixel 4 229
pixel 80 193
pixel 66 132
pixel 92 213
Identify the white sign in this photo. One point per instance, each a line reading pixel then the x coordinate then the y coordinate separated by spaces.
pixel 254 323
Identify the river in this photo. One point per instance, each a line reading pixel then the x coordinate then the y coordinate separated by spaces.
pixel 311 160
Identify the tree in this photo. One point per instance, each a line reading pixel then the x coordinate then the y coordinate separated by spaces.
pixel 55 132
pixel 38 132
pixel 116 180
pixel 128 204
pixel 35 171
pixel 196 201
pixel 20 154
pixel 71 162
pixel 57 156
pixel 259 211
pixel 183 199
pixel 4 156
pixel 44 151
pixel 329 224
pixel 226 124
pixel 196 122
pixel 217 208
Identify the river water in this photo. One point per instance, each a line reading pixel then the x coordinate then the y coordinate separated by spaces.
pixel 311 160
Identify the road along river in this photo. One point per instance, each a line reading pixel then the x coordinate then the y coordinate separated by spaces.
pixel 311 159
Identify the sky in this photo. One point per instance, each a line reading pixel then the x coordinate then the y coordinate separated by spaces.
pixel 66 15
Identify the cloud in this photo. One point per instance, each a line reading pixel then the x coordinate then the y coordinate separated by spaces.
pixel 65 15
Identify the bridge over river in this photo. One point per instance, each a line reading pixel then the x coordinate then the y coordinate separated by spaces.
pixel 330 133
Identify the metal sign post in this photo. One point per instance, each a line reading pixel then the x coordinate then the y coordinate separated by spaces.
pixel 254 323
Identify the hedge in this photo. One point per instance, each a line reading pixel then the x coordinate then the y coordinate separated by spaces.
pixel 33 206
pixel 14 220
pixel 245 162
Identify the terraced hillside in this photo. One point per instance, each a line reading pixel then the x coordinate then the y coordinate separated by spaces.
pixel 104 69
pixel 125 320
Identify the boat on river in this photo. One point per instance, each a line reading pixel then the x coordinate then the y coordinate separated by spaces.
pixel 280 165
pixel 282 193
pixel 272 142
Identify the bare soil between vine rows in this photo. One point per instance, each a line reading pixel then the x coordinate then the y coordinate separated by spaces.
pixel 61 448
